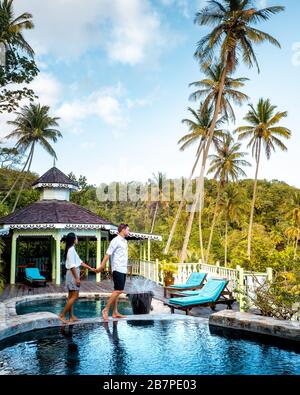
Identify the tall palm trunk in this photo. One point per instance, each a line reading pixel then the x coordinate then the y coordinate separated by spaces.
pixel 154 217
pixel 24 178
pixel 166 250
pixel 253 201
pixel 16 180
pixel 199 193
pixel 296 245
pixel 226 239
pixel 200 231
pixel 213 223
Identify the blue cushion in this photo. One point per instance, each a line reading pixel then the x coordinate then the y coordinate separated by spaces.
pixel 209 293
pixel 195 280
pixel 33 273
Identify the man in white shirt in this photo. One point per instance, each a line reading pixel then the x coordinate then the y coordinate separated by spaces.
pixel 118 252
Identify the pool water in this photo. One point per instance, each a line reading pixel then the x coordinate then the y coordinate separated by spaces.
pixel 144 347
pixel 83 308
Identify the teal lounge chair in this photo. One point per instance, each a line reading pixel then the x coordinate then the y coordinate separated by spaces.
pixel 195 281
pixel 212 293
pixel 33 276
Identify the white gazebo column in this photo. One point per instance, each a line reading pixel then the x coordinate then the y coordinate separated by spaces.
pixel 87 254
pixel 149 250
pixel 53 260
pixel 13 259
pixel 57 258
pixel 98 255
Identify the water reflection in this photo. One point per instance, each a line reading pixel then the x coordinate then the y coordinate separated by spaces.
pixel 119 357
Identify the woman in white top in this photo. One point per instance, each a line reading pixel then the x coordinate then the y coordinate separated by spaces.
pixel 73 263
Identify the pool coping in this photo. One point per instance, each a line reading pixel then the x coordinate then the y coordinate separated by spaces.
pixel 254 323
pixel 12 324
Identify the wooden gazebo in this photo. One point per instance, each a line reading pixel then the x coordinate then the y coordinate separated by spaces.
pixel 53 216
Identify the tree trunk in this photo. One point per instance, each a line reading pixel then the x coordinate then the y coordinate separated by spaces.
pixel 166 250
pixel 16 180
pixel 253 202
pixel 154 216
pixel 226 237
pixel 200 231
pixel 213 224
pixel 205 156
pixel 24 178
pixel 296 245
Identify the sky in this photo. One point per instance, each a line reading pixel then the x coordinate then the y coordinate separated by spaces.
pixel 117 72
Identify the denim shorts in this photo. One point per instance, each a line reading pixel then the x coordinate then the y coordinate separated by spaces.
pixel 70 280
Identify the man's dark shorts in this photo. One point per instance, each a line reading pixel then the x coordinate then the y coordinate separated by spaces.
pixel 119 280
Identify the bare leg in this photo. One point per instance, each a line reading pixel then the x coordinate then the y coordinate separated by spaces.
pixel 115 313
pixel 110 302
pixel 72 316
pixel 73 295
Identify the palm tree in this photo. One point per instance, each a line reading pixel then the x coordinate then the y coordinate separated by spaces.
pixel 208 88
pixel 232 35
pixel 227 166
pixel 232 206
pixel 262 130
pixel 294 231
pixel 33 125
pixel 11 27
pixel 198 128
pixel 158 180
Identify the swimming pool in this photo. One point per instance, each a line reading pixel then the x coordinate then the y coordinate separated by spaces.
pixel 83 308
pixel 128 347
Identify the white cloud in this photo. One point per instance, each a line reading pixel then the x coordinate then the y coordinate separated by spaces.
pixel 103 103
pixel 127 30
pixel 47 88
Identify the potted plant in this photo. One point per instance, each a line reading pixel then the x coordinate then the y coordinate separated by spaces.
pixel 169 269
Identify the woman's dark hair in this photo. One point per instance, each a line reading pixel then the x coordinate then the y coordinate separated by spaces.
pixel 121 227
pixel 69 239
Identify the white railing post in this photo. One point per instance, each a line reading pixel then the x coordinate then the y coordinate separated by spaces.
pixel 156 271
pixel 241 286
pixel 269 274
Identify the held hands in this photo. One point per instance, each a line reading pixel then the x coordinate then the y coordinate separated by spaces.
pixel 77 282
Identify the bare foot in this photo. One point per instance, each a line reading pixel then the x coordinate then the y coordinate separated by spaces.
pixel 74 319
pixel 105 315
pixel 118 315
pixel 63 319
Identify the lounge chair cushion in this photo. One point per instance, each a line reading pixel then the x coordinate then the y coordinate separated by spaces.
pixel 33 273
pixel 195 280
pixel 209 293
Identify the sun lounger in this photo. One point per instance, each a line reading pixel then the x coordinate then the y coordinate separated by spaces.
pixel 33 276
pixel 212 293
pixel 195 281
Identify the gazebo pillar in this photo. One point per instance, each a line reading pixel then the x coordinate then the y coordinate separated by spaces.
pixel 149 250
pixel 98 255
pixel 13 259
pixel 141 250
pixel 87 257
pixel 53 260
pixel 57 258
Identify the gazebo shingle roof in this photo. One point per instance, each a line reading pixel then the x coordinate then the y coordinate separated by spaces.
pixel 54 175
pixel 53 212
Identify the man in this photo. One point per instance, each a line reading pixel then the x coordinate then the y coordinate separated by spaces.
pixel 118 252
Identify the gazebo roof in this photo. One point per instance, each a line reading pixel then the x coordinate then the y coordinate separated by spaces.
pixel 56 177
pixel 53 212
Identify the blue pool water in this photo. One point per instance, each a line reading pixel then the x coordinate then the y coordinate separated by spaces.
pixel 145 347
pixel 83 308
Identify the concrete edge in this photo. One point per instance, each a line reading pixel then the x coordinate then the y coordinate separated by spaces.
pixel 229 319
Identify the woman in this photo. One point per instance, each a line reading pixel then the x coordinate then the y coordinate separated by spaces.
pixel 73 263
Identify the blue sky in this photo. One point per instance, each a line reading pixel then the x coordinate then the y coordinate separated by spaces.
pixel 117 72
